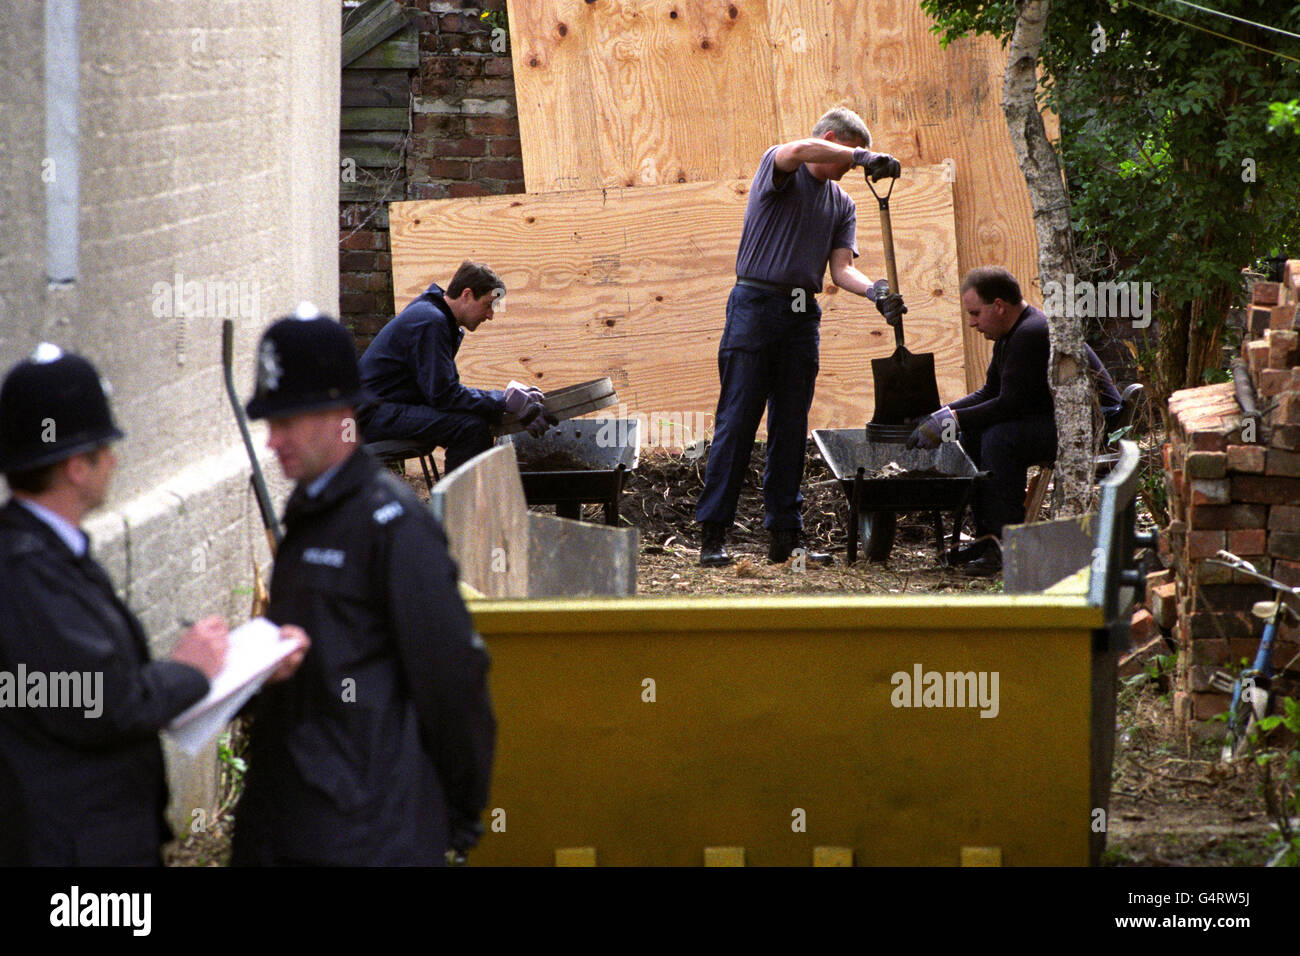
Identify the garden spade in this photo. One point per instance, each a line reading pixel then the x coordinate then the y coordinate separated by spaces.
pixel 906 388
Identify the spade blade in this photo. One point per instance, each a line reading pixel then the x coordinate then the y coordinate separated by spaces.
pixel 906 387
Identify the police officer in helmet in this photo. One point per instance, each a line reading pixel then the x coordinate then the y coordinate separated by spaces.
pixel 378 751
pixel 82 780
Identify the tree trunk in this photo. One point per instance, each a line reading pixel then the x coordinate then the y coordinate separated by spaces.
pixel 1072 389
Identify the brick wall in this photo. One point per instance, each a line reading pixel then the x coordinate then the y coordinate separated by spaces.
pixel 1235 485
pixel 464 142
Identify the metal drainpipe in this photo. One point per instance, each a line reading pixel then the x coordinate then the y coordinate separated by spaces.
pixel 62 173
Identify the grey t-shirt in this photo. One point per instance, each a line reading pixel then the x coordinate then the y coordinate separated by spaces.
pixel 790 229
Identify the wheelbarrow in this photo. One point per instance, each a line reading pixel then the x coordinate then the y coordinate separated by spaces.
pixel 577 462
pixel 944 480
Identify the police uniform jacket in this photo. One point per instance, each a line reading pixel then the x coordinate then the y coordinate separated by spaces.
pixel 78 789
pixel 378 750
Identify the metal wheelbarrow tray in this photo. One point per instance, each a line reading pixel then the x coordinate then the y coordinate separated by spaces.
pixel 875 502
pixel 609 447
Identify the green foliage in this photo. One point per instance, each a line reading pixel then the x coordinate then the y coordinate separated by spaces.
pixel 1279 770
pixel 1284 117
pixel 1174 176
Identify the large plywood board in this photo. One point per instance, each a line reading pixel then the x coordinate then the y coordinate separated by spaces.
pixel 624 93
pixel 640 92
pixel 632 284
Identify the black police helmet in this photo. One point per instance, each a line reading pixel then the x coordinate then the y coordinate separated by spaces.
pixel 52 406
pixel 306 361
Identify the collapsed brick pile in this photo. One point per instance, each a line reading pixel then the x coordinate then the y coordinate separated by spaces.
pixel 1234 483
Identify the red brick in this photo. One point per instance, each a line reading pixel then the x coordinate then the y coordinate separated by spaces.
pixel 498 66
pixel 1141 627
pixel 1281 462
pixel 1247 541
pixel 356 302
pixel 1282 316
pixel 1284 518
pixel 1288 572
pixel 1281 349
pixel 1221 517
pixel 1288 409
pixel 1162 600
pixel 462 190
pixel 1206 464
pixel 1205 544
pixel 1266 293
pixel 1285 436
pixel 1256 354
pixel 446 168
pixel 497 169
pixel 361 239
pixel 1274 381
pixel 489 87
pixel 1209 652
pixel 505 146
pixel 468 67
pixel 1207 705
pixel 1284 544
pixel 1210 491
pixel 465 23
pixel 360 260
pixel 379 282
pixel 1257 320
pixel 428 190
pixel 353 282
pixel 442 125
pixel 491 126
pixel 1219 625
pixel 461 147
pixel 1207 440
pixel 1246 458
pixel 1265 489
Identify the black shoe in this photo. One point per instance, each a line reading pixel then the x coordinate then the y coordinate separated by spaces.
pixel 713 553
pixel 784 543
pixel 981 558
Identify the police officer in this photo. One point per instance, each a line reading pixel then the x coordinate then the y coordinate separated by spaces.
pixel 81 781
pixel 797 221
pixel 378 750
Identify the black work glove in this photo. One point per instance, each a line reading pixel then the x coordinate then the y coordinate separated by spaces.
pixel 889 304
pixel 536 419
pixel 877 166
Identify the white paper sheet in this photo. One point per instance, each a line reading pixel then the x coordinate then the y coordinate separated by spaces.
pixel 254 651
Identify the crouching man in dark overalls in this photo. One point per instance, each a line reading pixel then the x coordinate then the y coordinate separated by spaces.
pixel 1009 422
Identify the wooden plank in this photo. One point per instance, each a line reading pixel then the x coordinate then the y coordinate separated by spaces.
pixel 401 51
pixel 632 284
pixel 351 118
pixel 640 92
pixel 372 157
pixel 371 26
pixel 376 88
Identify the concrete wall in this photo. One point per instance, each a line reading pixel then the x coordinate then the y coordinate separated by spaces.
pixel 209 133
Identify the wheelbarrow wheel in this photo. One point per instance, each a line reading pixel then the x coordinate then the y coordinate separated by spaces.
pixel 876 529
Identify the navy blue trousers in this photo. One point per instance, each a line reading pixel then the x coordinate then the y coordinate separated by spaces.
pixel 462 434
pixel 1006 450
pixel 767 359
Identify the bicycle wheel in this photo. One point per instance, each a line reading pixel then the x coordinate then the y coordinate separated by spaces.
pixel 1250 704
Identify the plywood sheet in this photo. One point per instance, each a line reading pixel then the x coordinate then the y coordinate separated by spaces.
pixel 620 92
pixel 640 92
pixel 632 283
